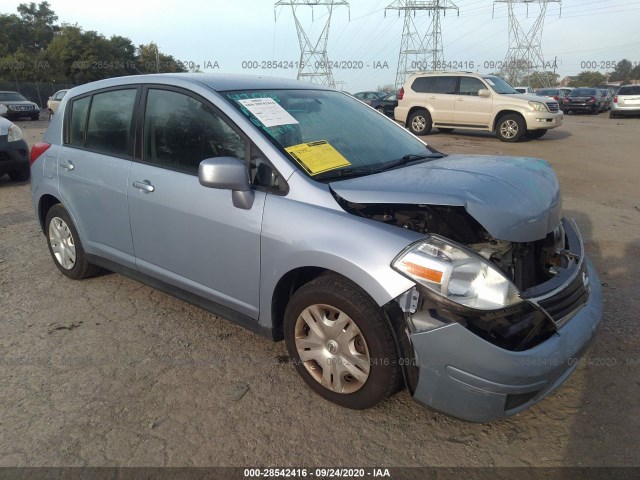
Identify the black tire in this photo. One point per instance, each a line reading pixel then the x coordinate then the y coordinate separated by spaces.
pixel 21 175
pixel 510 128
pixel 535 134
pixel 595 111
pixel 612 115
pixel 445 130
pixel 567 111
pixel 419 122
pixel 332 293
pixel 381 110
pixel 81 267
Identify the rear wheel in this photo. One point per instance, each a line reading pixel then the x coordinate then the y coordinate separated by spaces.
pixel 510 128
pixel 340 343
pixel 65 246
pixel 445 130
pixel 380 109
pixel 420 122
pixel 534 134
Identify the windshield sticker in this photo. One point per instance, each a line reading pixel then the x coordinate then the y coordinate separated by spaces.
pixel 267 111
pixel 317 157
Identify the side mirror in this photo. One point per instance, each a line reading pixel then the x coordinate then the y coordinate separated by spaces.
pixel 483 92
pixel 228 173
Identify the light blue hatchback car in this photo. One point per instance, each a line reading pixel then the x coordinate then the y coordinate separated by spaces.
pixel 304 215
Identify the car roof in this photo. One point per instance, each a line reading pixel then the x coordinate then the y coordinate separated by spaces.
pixel 218 82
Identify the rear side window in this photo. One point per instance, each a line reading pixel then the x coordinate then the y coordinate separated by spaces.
pixel 79 111
pixel 634 90
pixel 180 132
pixel 442 84
pixel 109 127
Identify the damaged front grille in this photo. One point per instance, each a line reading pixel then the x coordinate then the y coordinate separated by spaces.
pixel 561 306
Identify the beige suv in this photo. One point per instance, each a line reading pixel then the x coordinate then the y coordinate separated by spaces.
pixel 471 101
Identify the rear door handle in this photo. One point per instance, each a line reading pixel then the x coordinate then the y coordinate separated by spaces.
pixel 145 186
pixel 67 165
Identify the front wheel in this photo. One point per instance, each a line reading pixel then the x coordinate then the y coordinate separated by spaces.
pixel 420 122
pixel 535 134
pixel 65 246
pixel 510 128
pixel 340 343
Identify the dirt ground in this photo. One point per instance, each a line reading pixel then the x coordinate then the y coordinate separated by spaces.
pixel 109 372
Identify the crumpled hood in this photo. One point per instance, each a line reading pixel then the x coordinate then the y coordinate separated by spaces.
pixel 515 199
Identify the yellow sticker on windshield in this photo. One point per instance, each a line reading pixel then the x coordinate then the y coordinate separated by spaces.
pixel 317 157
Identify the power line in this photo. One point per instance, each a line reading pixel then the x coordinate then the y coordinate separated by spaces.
pixel 417 50
pixel 314 66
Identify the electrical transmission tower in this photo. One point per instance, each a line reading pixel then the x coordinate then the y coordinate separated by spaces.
pixel 524 56
pixel 314 66
pixel 418 50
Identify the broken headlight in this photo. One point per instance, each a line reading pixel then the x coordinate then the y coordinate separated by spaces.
pixel 457 274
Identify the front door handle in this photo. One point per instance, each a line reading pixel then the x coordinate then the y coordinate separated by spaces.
pixel 67 165
pixel 145 186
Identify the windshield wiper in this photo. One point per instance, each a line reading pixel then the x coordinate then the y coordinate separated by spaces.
pixel 408 159
pixel 344 172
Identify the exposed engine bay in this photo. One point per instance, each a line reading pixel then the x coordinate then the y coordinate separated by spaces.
pixel 527 264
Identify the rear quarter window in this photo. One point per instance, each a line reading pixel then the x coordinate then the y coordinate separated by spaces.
pixel 443 84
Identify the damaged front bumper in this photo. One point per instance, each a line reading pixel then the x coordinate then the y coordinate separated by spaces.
pixel 466 376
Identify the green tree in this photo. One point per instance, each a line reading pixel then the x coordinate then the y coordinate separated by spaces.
pixel 38 24
pixel 635 73
pixel 588 79
pixel 151 60
pixel 622 71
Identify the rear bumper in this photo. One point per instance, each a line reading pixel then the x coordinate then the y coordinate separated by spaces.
pixel 625 110
pixel 13 156
pixel 586 108
pixel 467 377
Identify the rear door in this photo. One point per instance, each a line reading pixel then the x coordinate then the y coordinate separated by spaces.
pixel 185 234
pixel 437 94
pixel 472 110
pixel 93 168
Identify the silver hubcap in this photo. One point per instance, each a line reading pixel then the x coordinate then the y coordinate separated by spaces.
pixel 332 348
pixel 62 244
pixel 509 129
pixel 419 123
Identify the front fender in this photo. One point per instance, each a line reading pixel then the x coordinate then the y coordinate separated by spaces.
pixel 298 234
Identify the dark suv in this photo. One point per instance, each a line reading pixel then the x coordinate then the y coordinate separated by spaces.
pixel 17 106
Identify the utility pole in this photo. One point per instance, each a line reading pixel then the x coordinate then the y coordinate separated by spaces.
pixel 314 66
pixel 420 50
pixel 524 55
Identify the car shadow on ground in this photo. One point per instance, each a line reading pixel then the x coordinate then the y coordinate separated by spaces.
pixel 555 134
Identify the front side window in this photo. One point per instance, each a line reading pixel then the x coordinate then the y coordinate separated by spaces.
pixel 470 86
pixel 180 132
pixel 109 126
pixel 325 131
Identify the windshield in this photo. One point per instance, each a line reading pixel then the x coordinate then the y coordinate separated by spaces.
pixel 629 90
pixel 498 85
pixel 327 132
pixel 12 97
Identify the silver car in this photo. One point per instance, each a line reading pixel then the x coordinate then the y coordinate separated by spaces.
pixel 626 101
pixel 304 215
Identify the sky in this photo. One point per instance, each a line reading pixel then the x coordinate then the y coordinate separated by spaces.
pixel 236 36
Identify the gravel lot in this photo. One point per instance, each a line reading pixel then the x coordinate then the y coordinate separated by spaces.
pixel 110 372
